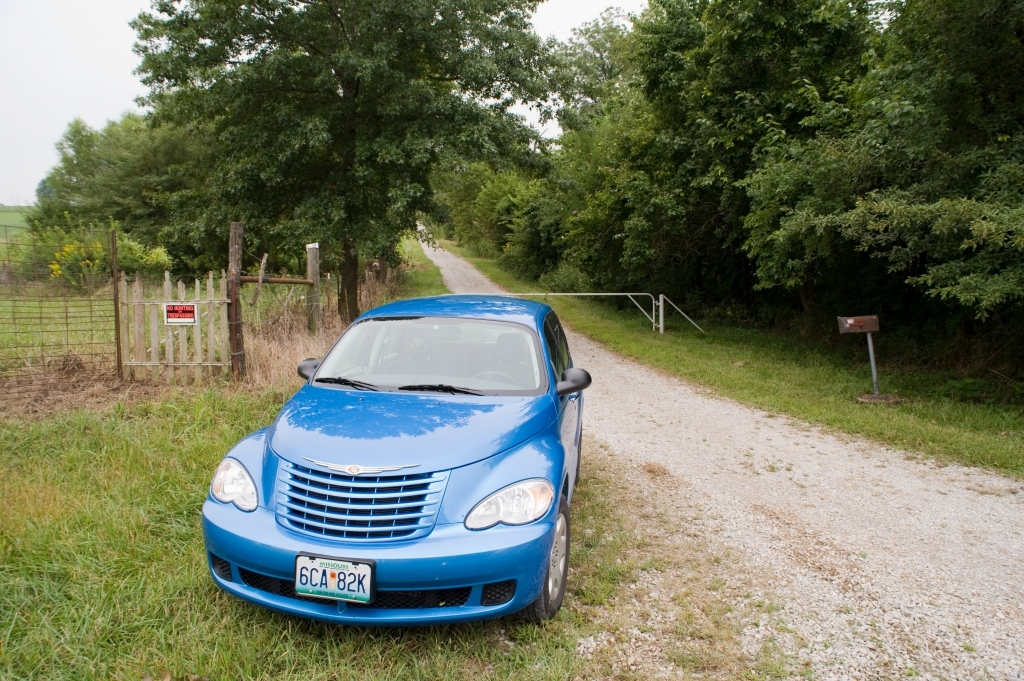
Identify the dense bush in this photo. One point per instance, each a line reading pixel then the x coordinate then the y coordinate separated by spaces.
pixel 78 254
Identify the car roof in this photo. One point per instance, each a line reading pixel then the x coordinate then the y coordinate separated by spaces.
pixel 498 308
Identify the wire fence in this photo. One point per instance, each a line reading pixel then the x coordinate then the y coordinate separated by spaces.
pixel 56 311
pixel 59 321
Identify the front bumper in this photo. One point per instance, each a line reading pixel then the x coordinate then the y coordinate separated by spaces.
pixel 450 557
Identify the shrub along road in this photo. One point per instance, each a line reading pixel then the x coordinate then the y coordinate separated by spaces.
pixel 881 564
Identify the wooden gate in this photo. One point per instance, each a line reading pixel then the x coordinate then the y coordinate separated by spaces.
pixel 177 353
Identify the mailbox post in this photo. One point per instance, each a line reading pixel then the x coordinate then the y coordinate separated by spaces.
pixel 863 325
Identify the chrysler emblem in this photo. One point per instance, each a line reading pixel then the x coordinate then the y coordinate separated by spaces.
pixel 354 469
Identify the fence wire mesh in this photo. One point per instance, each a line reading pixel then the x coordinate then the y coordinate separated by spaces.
pixel 57 326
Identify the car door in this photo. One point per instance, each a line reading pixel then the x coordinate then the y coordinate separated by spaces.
pixel 569 406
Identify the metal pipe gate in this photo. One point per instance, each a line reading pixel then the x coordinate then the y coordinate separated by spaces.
pixel 656 317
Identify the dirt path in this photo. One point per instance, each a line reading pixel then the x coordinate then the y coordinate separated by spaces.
pixel 881 566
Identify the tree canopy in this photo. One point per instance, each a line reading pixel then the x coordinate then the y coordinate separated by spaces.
pixel 129 172
pixel 327 116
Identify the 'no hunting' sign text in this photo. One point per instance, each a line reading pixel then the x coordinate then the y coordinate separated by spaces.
pixel 180 313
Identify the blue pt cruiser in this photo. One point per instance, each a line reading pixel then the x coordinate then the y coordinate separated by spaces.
pixel 422 475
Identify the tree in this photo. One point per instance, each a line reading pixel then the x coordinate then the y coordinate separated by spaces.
pixel 592 67
pixel 328 115
pixel 922 169
pixel 127 172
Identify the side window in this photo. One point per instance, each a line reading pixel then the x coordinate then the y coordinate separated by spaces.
pixel 563 342
pixel 555 338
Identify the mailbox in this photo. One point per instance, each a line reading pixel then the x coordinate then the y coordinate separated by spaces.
pixel 865 324
pixel 858 324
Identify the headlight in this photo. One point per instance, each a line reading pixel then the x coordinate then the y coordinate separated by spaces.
pixel 517 504
pixel 232 484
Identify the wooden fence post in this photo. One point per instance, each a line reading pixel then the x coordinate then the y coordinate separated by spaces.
pixel 224 343
pixel 138 328
pixel 236 342
pixel 117 304
pixel 155 312
pixel 211 324
pixel 197 340
pixel 313 295
pixel 182 338
pixel 168 335
pixel 122 333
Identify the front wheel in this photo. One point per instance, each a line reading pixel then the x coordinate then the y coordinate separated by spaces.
pixel 555 577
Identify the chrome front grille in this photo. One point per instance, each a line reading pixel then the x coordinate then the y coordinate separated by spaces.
pixel 358 508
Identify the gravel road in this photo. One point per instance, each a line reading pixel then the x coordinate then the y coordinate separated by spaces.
pixel 880 565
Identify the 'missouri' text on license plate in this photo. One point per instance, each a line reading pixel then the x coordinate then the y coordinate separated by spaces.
pixel 333 578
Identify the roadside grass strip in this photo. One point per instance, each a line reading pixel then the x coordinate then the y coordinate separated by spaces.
pixel 422 276
pixel 772 372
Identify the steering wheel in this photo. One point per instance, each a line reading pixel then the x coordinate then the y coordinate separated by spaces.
pixel 504 378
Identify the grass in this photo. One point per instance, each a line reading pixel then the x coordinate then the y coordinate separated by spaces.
pixel 422 278
pixel 103 574
pixel 13 216
pixel 809 382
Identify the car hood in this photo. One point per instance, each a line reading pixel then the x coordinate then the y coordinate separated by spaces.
pixel 430 431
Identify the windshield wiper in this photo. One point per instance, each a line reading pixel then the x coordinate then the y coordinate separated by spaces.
pixel 359 385
pixel 441 388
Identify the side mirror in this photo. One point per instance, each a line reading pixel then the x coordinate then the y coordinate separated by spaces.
pixel 307 367
pixel 573 380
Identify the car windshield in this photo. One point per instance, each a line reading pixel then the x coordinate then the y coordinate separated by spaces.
pixel 437 354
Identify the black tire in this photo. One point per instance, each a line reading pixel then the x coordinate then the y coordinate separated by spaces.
pixel 553 593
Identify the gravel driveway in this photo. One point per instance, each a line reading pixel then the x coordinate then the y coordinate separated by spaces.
pixel 882 566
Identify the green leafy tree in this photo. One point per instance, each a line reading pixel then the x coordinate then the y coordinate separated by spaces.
pixel 127 171
pixel 726 81
pixel 592 68
pixel 328 115
pixel 922 167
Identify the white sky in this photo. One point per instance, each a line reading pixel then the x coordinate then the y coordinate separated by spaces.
pixel 62 59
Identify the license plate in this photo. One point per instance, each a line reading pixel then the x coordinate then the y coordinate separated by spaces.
pixel 344 580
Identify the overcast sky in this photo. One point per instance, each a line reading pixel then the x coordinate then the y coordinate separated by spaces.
pixel 62 59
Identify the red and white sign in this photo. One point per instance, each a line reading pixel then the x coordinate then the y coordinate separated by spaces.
pixel 181 313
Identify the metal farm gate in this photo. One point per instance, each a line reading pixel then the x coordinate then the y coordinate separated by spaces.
pixel 56 312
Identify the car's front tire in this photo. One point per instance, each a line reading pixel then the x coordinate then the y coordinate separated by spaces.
pixel 557 572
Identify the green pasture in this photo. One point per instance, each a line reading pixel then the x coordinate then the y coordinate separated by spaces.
pixel 45 325
pixel 812 382
pixel 12 216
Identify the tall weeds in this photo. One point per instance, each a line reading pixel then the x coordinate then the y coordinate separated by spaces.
pixel 276 331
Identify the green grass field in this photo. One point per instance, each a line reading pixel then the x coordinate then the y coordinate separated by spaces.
pixel 810 382
pixel 12 216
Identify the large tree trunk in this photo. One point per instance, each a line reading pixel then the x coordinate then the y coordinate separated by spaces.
pixel 348 282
